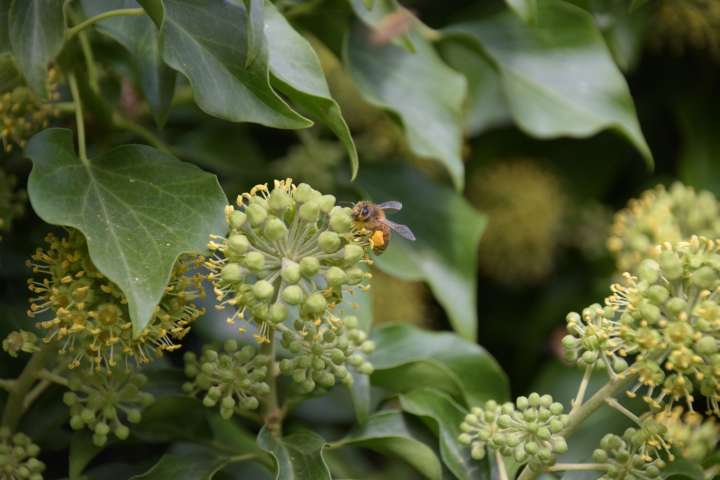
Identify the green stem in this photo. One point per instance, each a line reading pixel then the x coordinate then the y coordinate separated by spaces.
pixel 102 16
pixel 7 384
pixel 15 402
pixel 82 152
pixel 33 394
pixel 52 377
pixel 579 415
pixel 141 131
pixel 271 413
pixel 566 467
pixel 613 403
pixel 582 388
pixel 92 75
pixel 502 470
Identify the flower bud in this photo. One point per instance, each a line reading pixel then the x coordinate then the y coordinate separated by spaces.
pixel 275 229
pixel 310 211
pixel 293 295
pixel 290 271
pixel 315 303
pixel 309 267
pixel 255 261
pixel 256 213
pixel 279 200
pixel 335 277
pixel 232 273
pixel 326 203
pixel 237 219
pixel 329 242
pixel 263 290
pixel 237 244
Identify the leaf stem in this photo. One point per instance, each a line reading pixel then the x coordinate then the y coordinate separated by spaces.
pixel 560 467
pixel 502 470
pixel 82 152
pixel 15 402
pixel 272 415
pixel 102 16
pixel 613 403
pixel 578 415
pixel 582 388
pixel 141 131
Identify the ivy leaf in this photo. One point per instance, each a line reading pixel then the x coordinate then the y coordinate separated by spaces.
pixel 155 10
pixel 4 21
pixel 682 468
pixel 390 432
pixel 138 208
pixel 447 229
pixel 558 76
pixel 525 9
pixel 445 416
pixel 407 358
pixel 486 105
pixel 207 42
pixel 298 456
pixel 426 94
pixel 37 32
pixel 298 74
pixel 199 465
pixel 9 76
pixel 82 451
pixel 140 37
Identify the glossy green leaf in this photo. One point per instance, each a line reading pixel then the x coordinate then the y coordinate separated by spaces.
pixel 526 9
pixel 699 165
pixel 82 451
pixel 185 466
pixel 139 209
pixel 486 106
pixel 155 10
pixel 207 42
pixel 389 432
pixel 683 469
pixel 446 417
pixel 425 93
pixel 37 32
pixel 447 231
pixel 254 29
pixel 376 14
pixel 298 74
pixel 139 36
pixel 298 456
pixel 558 76
pixel 9 76
pixel 415 358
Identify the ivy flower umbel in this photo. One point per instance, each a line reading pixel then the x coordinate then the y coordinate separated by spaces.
pixel 234 379
pixel 288 260
pixel 692 435
pixel 661 215
pixel 102 403
pixel 529 431
pixel 90 320
pixel 18 457
pixel 667 321
pixel 626 456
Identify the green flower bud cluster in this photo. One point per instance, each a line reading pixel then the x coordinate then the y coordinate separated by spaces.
pixel 668 319
pixel 593 340
pixel 290 256
pixel 103 401
pixel 526 206
pixel 233 380
pixel 22 112
pixel 659 216
pixel 90 321
pixel 321 352
pixel 18 457
pixel 687 25
pixel 625 456
pixel 530 431
pixel 20 341
pixel 693 436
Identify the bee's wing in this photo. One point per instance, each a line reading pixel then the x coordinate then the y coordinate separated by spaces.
pixel 391 205
pixel 402 230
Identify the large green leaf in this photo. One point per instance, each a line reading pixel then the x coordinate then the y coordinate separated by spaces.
pixel 201 465
pixel 297 73
pixel 425 93
pixel 207 42
pixel 407 358
pixel 139 36
pixel 37 31
pixel 485 106
pixel 558 75
pixel 9 76
pixel 447 229
pixel 4 33
pixel 526 9
pixel 389 432
pixel 298 456
pixel 155 9
pixel 446 417
pixel 139 209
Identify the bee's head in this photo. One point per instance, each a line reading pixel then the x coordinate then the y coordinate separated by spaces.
pixel 361 211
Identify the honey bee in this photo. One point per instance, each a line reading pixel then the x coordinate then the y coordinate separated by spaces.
pixel 371 217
